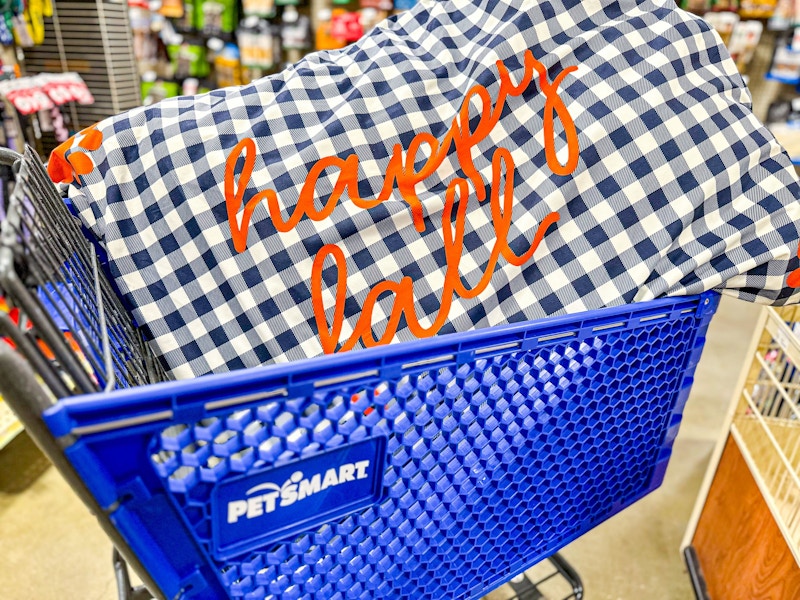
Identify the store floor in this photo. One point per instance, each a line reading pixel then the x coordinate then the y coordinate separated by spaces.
pixel 51 548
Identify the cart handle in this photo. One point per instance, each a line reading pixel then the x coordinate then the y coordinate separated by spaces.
pixel 8 157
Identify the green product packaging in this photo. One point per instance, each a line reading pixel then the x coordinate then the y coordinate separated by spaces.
pixel 172 88
pixel 189 60
pixel 155 91
pixel 186 22
pixel 145 87
pixel 213 17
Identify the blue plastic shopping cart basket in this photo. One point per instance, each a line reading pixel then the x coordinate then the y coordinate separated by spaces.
pixel 433 470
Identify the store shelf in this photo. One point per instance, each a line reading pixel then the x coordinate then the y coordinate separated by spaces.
pixel 745 530
pixel 786 80
pixel 10 427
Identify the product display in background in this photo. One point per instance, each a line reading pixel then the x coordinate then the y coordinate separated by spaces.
pixel 186 46
pixel 785 15
pixel 30 107
pixel 259 8
pixel 740 25
pixel 212 42
pixel 784 123
pixel 763 39
pixel 744 41
pixel 741 37
pixel 757 9
pixel 44 94
pixel 33 106
pixel 256 43
pixel 785 66
pixel 22 22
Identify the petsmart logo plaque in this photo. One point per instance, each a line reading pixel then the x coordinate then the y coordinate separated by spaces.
pixel 266 505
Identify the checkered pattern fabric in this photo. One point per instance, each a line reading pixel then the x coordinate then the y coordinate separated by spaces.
pixel 678 188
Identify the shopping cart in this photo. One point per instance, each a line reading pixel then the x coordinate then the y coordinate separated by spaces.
pixel 435 469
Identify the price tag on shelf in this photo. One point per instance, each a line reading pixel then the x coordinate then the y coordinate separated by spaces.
pixel 29 99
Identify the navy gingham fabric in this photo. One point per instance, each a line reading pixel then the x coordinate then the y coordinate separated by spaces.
pixel 678 188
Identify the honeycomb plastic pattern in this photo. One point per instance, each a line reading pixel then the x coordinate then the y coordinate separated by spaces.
pixel 489 467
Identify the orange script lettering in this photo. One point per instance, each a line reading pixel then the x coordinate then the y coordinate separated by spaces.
pixel 402 175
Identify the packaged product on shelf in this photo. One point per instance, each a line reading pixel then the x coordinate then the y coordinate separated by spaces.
pixel 28 100
pixel 258 8
pixel 190 86
pixel 725 5
pixel 785 63
pixel 9 69
pixel 23 36
pixel 787 131
pixel 227 66
pixel 784 15
pixel 187 19
pixel 35 12
pixel 211 17
pixel 13 139
pixel 246 38
pixel 189 60
pixel 778 112
pixel 744 41
pixel 324 40
pixel 696 6
pixel 378 4
pixel 172 9
pixel 143 43
pixel 6 28
pixel 404 4
pixel 757 9
pixel 214 46
pixel 156 90
pixel 724 23
pixel 45 91
pixel 58 125
pixel 295 30
pixel 64 87
pixel 255 43
pixel 214 17
pixel 277 45
pixel 346 25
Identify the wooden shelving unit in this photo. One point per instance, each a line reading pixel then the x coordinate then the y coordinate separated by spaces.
pixel 743 540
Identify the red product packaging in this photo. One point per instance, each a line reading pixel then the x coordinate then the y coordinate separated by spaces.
pixel 347 26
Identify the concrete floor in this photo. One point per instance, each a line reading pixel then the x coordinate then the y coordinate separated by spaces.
pixel 51 548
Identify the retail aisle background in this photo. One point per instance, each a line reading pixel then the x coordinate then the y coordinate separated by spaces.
pixel 51 548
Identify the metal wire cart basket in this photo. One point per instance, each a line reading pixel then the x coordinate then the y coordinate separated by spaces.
pixel 436 469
